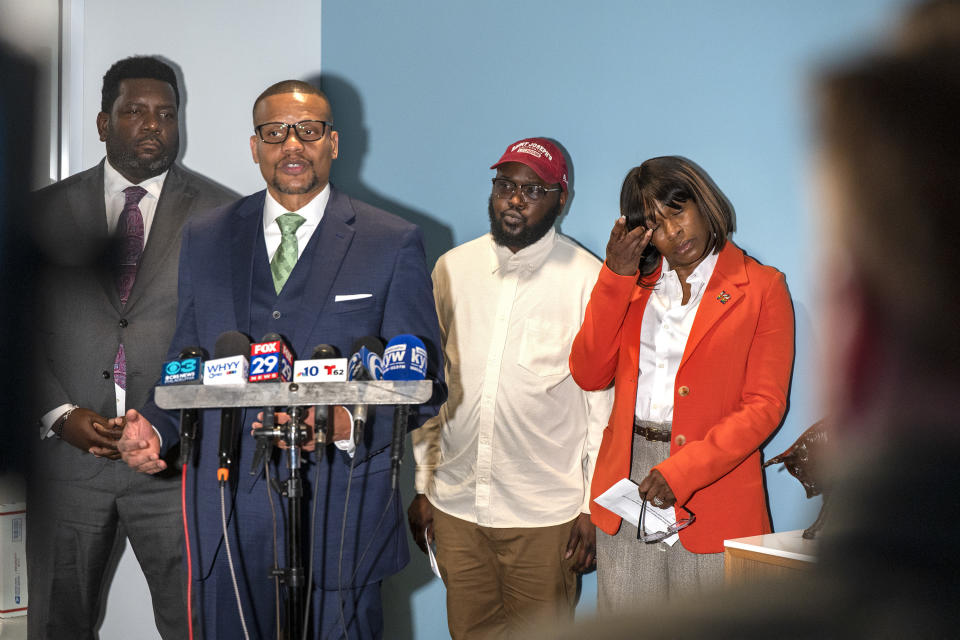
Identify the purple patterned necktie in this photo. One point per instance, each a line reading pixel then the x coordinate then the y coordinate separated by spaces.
pixel 130 234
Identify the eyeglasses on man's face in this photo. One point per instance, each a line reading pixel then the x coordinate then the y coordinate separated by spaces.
pixel 306 130
pixel 503 188
pixel 657 536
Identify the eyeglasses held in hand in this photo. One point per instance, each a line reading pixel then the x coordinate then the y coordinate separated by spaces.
pixel 657 536
pixel 503 188
pixel 306 130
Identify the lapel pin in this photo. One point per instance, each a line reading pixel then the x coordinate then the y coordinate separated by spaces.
pixel 724 297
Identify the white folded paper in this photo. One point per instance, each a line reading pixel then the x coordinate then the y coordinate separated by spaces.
pixel 623 499
pixel 433 557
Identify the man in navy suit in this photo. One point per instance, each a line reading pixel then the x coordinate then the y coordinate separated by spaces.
pixel 308 262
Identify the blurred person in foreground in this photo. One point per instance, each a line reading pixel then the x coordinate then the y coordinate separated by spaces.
pixel 697 338
pixel 887 565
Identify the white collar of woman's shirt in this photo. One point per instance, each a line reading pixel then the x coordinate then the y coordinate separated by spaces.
pixel 669 287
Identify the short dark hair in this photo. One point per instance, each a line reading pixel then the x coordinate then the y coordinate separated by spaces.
pixel 291 86
pixel 135 67
pixel 669 181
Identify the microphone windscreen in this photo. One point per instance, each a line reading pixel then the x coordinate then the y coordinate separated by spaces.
pixel 370 342
pixel 231 343
pixel 271 359
pixel 324 351
pixel 187 368
pixel 405 358
pixel 193 352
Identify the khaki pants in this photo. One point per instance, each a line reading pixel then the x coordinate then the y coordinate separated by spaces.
pixel 503 582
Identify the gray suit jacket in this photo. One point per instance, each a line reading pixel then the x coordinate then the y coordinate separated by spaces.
pixel 81 320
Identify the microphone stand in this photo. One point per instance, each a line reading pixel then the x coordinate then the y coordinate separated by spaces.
pixel 294 433
pixel 293 490
pixel 299 397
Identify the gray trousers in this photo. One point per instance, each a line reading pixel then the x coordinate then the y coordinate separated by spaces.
pixel 632 573
pixel 74 527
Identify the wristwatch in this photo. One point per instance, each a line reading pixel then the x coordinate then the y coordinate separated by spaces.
pixel 57 427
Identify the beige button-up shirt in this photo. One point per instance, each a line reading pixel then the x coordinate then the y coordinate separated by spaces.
pixel 516 441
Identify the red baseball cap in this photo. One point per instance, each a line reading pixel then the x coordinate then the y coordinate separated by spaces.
pixel 541 155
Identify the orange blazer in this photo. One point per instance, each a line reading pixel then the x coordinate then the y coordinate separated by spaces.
pixel 730 393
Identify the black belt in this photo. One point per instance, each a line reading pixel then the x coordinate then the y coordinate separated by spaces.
pixel 652 431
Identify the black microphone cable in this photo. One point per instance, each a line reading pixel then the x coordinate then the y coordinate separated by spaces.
pixel 321 351
pixel 186 538
pixel 318 455
pixel 189 418
pixel 233 573
pixel 343 534
pixel 229 344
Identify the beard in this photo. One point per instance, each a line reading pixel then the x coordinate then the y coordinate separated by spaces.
pixel 528 235
pixel 124 158
pixel 296 191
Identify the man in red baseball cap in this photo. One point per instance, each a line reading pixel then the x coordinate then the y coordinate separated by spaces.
pixel 503 473
pixel 536 167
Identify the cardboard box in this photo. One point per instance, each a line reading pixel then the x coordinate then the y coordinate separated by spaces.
pixel 13 560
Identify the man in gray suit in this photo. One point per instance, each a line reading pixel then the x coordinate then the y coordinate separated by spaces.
pixel 110 240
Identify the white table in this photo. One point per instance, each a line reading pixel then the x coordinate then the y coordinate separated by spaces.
pixel 771 555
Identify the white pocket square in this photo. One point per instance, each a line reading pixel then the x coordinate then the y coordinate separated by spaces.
pixel 351 296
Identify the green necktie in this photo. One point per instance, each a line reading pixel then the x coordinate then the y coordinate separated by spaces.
pixel 286 256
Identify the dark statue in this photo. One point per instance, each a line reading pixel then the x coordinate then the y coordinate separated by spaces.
pixel 803 460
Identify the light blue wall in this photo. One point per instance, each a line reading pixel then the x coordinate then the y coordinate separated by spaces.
pixel 428 94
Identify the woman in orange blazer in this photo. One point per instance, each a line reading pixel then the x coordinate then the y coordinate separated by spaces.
pixel 731 318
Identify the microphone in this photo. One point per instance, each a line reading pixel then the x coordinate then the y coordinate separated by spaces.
pixel 271 360
pixel 325 365
pixel 187 369
pixel 365 365
pixel 231 347
pixel 228 369
pixel 405 358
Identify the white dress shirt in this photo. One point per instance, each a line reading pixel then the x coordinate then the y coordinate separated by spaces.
pixel 663 337
pixel 516 441
pixel 114 199
pixel 312 213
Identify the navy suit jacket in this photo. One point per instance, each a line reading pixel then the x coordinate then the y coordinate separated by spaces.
pixel 356 249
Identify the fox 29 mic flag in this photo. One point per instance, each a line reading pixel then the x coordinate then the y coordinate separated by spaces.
pixel 271 360
pixel 405 358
